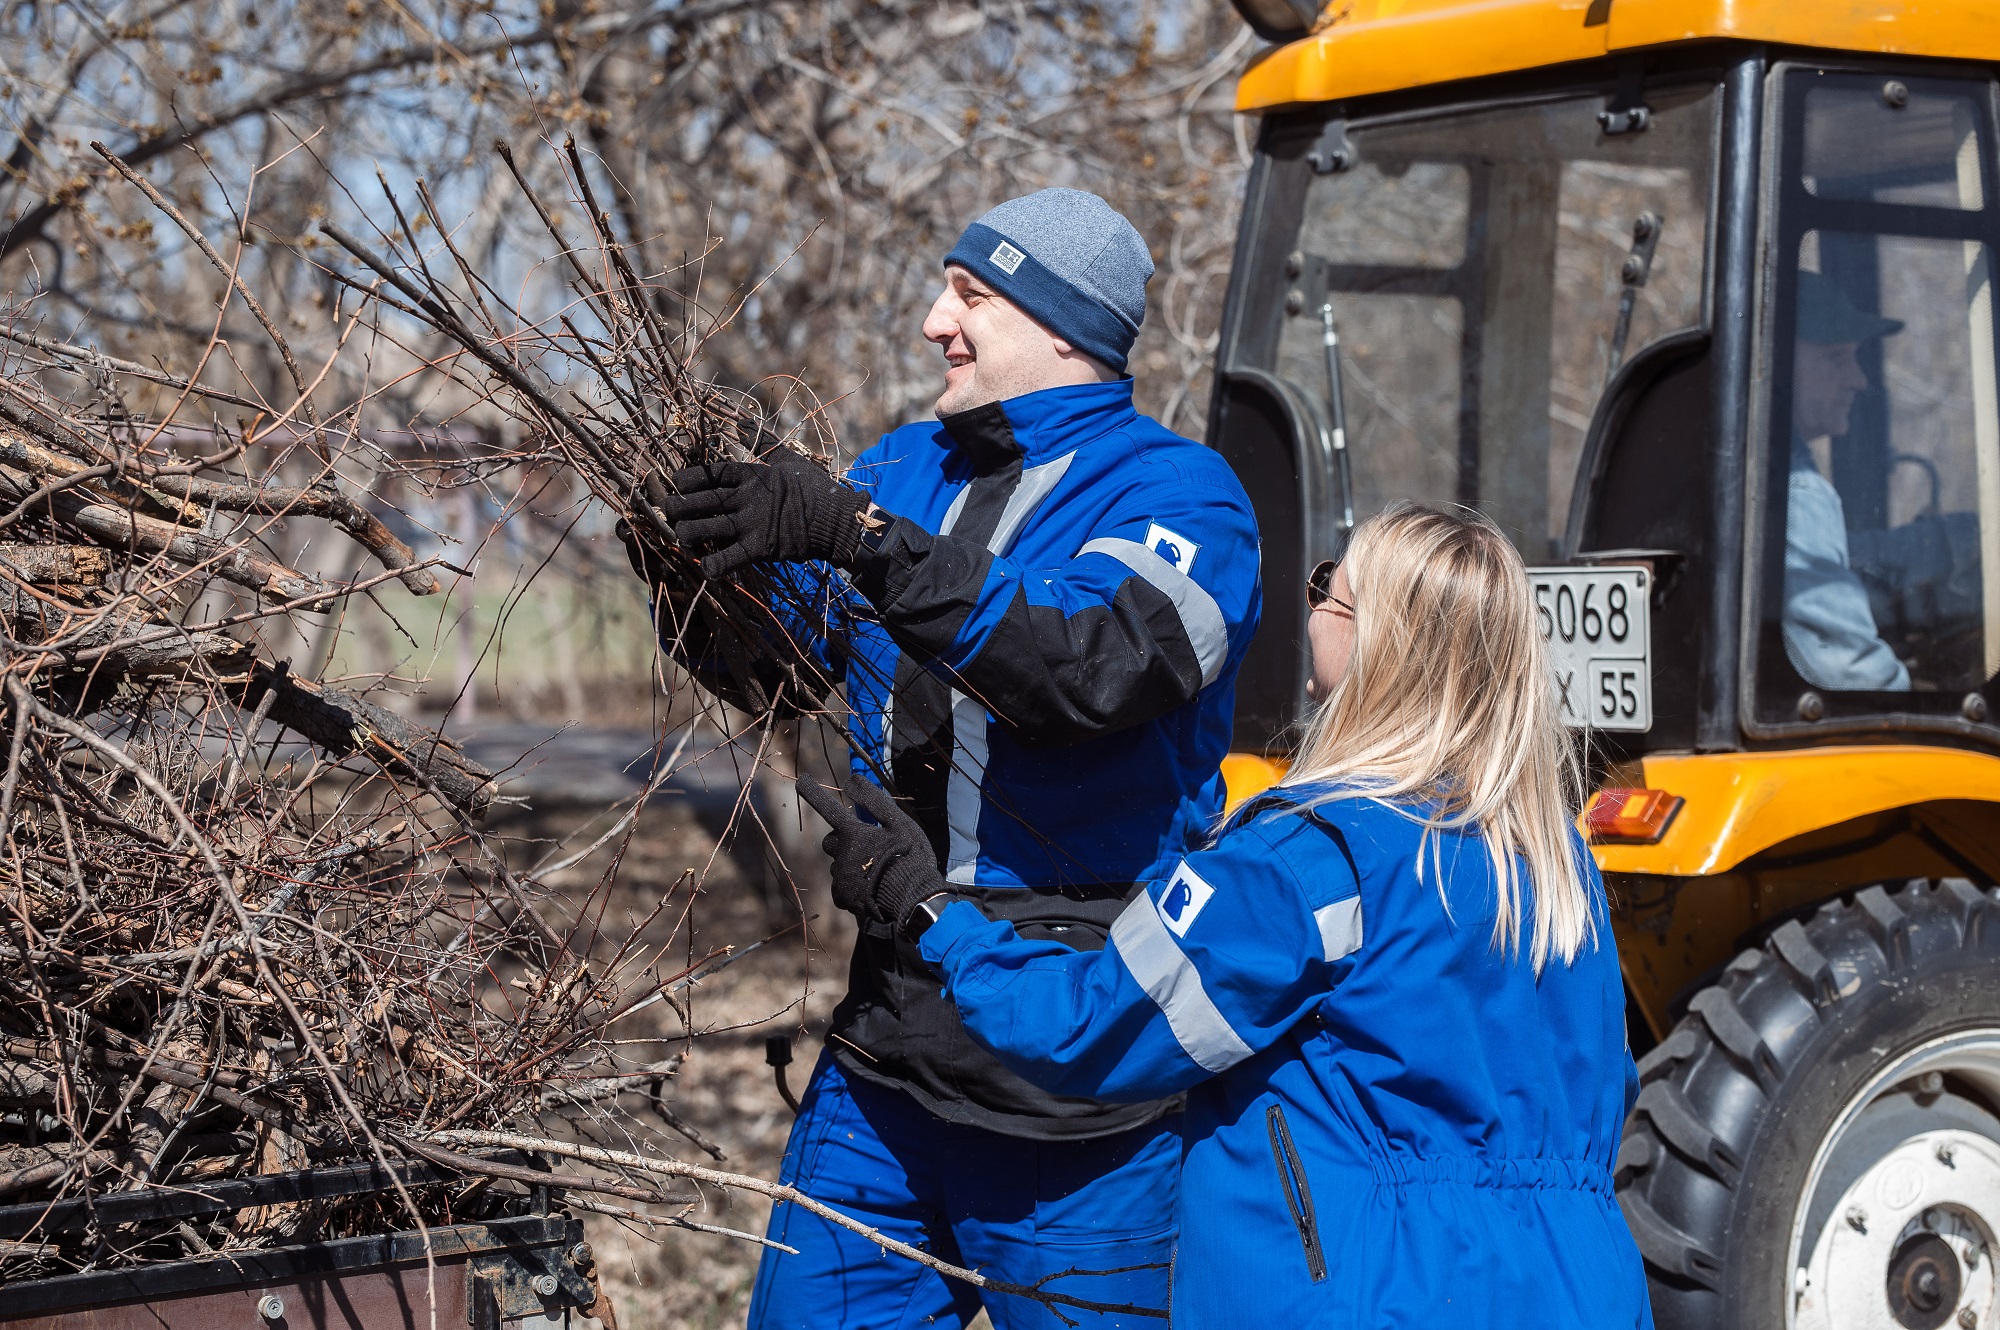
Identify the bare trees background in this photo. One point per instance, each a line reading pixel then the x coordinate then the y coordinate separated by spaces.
pixel 811 159
pixel 806 160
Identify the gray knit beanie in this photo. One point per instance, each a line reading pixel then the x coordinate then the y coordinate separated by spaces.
pixel 1071 261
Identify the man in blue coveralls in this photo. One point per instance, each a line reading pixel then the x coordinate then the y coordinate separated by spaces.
pixel 1037 604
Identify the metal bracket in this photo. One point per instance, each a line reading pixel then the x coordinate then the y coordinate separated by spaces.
pixel 1626 112
pixel 526 1281
pixel 1638 267
pixel 1332 152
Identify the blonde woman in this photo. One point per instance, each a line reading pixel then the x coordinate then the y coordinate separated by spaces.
pixel 1388 986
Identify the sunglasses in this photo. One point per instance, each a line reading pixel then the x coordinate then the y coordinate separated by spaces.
pixel 1319 587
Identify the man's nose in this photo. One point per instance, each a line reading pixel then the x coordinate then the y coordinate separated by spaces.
pixel 941 324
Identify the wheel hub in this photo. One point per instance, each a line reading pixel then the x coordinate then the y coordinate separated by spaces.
pixel 1924 1282
pixel 1896 1226
pixel 1910 1244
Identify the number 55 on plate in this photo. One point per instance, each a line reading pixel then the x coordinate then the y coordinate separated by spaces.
pixel 1597 622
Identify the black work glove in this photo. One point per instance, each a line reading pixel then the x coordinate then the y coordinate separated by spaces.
pixel 751 670
pixel 880 872
pixel 786 508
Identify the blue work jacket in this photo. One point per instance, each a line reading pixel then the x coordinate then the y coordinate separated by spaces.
pixel 1039 655
pixel 1390 1122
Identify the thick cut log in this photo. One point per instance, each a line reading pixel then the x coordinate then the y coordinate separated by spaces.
pixel 56 565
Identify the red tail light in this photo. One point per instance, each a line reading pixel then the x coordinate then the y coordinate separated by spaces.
pixel 1634 817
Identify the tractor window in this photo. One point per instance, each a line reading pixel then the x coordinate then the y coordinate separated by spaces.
pixel 1905 147
pixel 1487 272
pixel 1883 465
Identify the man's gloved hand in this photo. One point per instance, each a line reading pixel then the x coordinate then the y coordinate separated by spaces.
pixel 880 872
pixel 749 512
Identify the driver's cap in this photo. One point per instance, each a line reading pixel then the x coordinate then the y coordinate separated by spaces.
pixel 1828 318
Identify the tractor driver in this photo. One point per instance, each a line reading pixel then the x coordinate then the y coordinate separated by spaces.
pixel 1830 633
pixel 1037 603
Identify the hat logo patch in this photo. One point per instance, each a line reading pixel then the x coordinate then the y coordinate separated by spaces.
pixel 1173 547
pixel 1183 899
pixel 1006 258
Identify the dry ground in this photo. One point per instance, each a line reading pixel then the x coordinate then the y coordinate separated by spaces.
pixel 668 1279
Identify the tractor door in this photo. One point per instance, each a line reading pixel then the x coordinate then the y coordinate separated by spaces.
pixel 1876 598
pixel 1817 1141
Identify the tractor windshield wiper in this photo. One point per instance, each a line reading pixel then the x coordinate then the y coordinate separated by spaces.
pixel 1338 404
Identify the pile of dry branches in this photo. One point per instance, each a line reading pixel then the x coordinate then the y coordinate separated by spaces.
pixel 249 923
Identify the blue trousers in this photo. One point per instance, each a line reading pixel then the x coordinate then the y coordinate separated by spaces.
pixel 1014 1209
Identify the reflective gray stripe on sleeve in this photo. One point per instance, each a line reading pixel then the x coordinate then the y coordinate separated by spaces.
pixel 1035 484
pixel 1201 618
pixel 1171 980
pixel 962 798
pixel 1339 927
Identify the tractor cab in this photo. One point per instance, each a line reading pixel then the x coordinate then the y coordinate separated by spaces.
pixel 1696 300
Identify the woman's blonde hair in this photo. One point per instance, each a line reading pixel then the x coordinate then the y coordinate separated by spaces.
pixel 1449 701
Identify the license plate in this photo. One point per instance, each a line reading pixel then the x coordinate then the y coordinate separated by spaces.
pixel 1597 625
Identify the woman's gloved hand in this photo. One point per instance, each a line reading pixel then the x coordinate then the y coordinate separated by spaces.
pixel 882 872
pixel 785 508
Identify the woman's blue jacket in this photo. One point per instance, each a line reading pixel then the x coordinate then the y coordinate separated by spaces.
pixel 1392 1121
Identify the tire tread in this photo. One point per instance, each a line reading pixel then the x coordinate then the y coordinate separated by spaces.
pixel 1726 1023
pixel 1803 959
pixel 1747 1035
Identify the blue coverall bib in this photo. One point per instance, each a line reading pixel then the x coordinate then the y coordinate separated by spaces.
pixel 1390 1121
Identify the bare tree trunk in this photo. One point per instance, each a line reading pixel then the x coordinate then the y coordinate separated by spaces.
pixel 465 672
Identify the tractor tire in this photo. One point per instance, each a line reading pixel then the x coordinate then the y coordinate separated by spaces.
pixel 1816 1145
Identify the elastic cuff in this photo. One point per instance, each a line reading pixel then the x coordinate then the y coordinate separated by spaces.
pixel 835 528
pixel 959 918
pixel 883 572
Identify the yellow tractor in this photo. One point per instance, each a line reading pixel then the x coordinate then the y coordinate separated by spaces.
pixel 1696 299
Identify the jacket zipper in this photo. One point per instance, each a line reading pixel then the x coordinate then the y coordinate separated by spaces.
pixel 1298 1193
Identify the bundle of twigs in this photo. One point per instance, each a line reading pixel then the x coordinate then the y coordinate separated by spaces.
pixel 218 964
pixel 610 384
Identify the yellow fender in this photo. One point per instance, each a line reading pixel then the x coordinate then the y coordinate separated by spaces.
pixel 1740 804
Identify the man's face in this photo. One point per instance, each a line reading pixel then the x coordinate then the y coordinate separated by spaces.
pixel 1826 378
pixel 994 351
